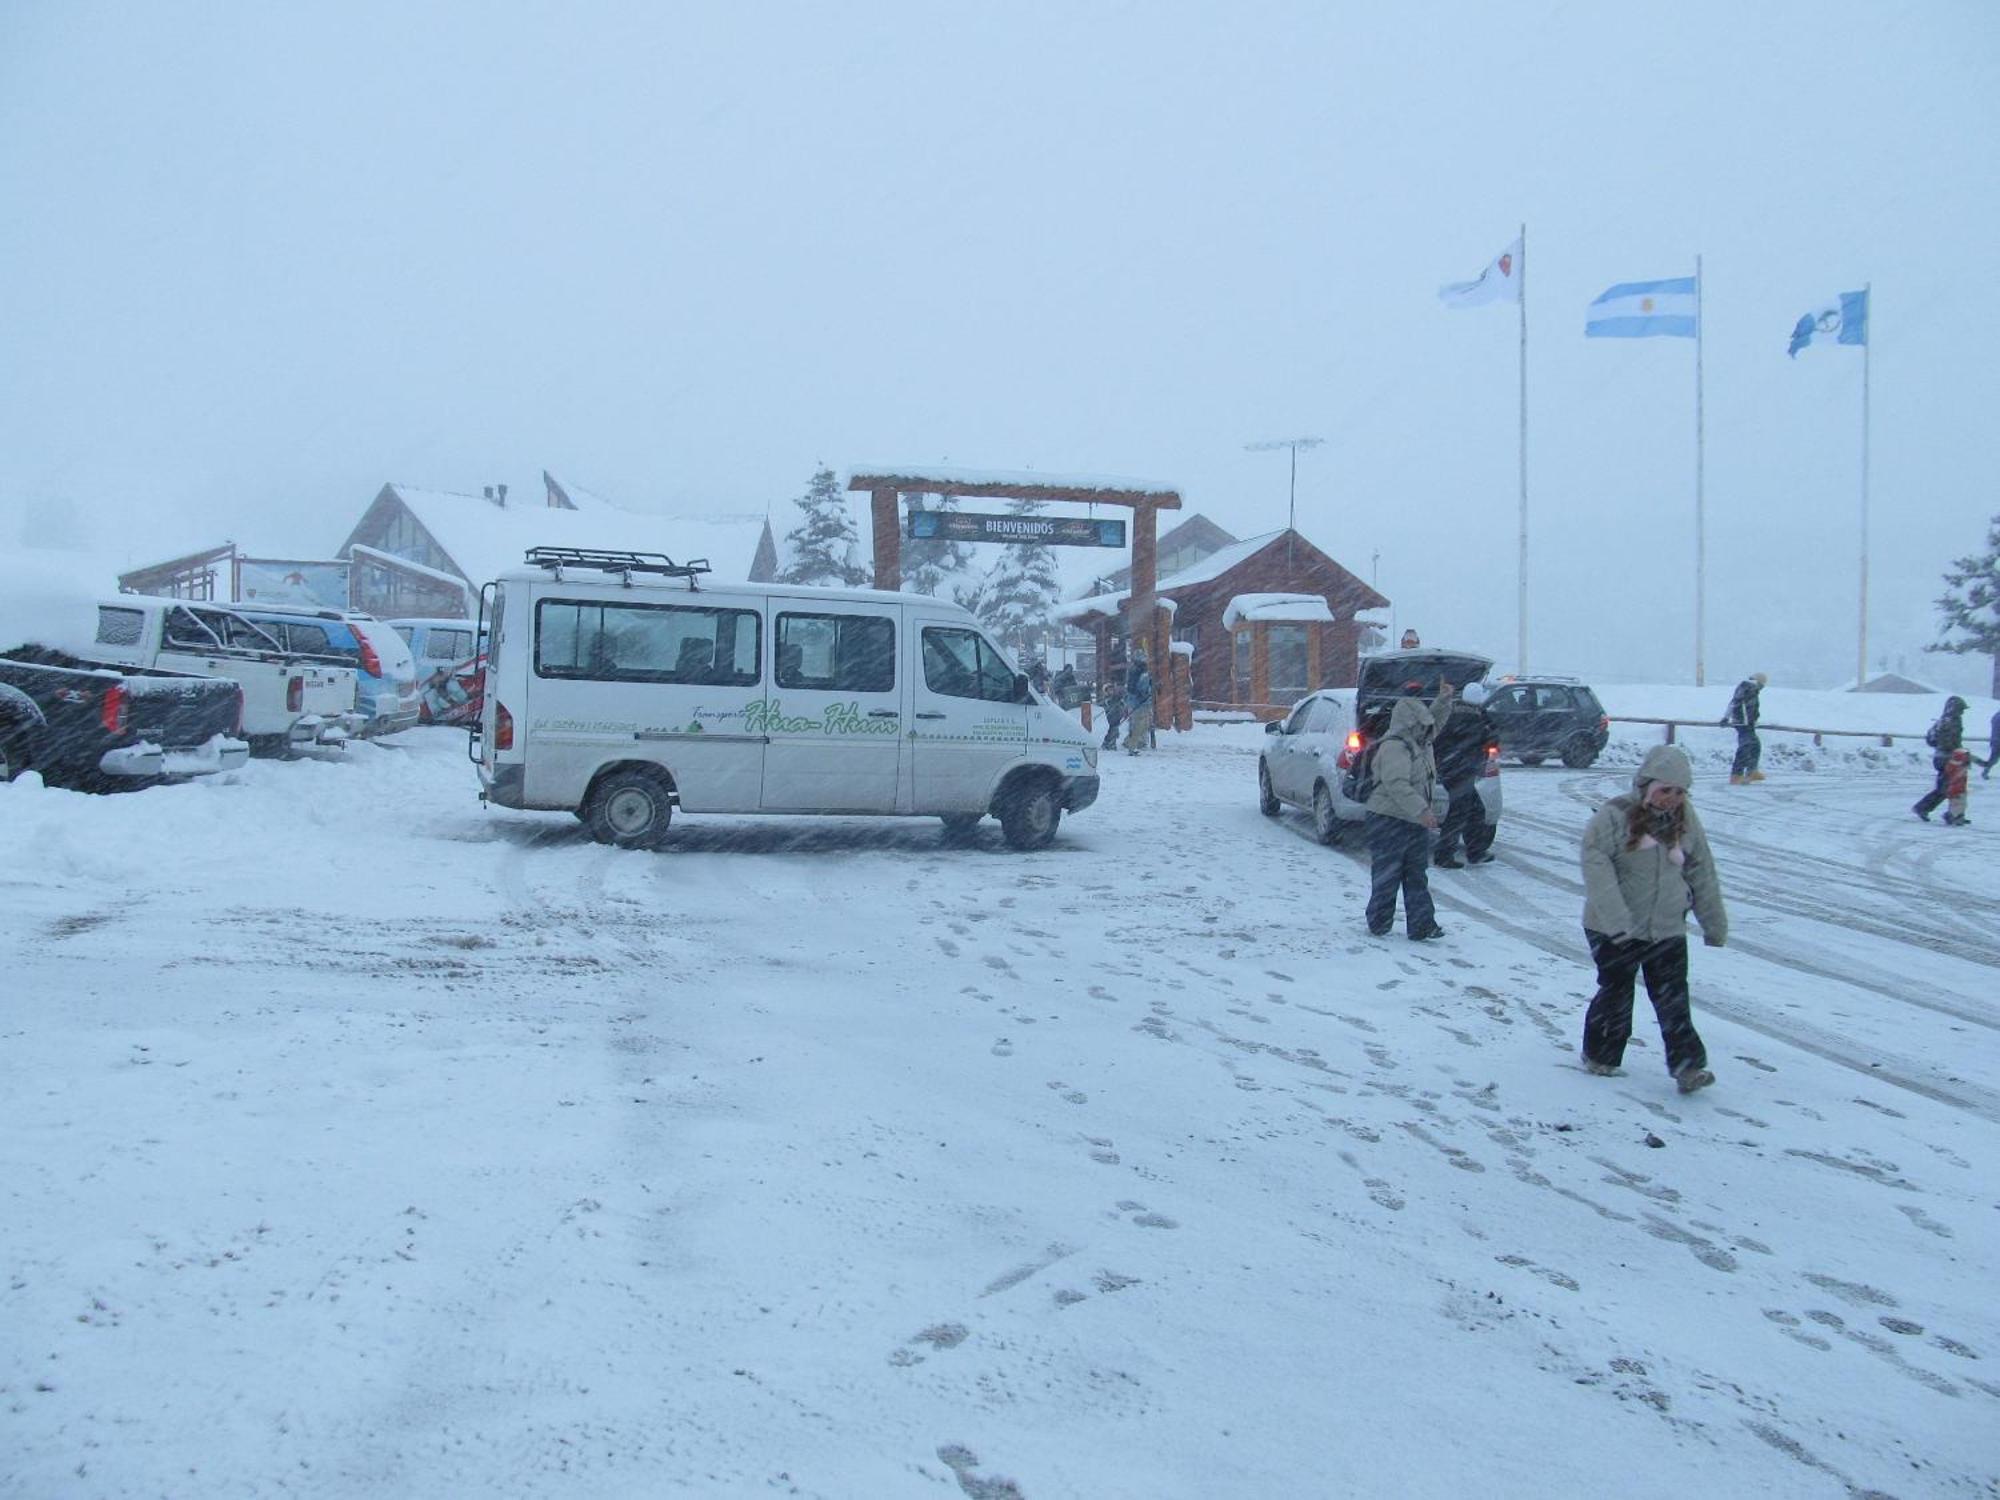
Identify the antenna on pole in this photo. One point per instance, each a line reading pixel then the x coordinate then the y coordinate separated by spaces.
pixel 1292 506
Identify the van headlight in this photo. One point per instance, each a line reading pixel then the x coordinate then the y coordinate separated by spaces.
pixel 1090 755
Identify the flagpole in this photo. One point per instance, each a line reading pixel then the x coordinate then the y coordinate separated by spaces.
pixel 1700 516
pixel 1867 340
pixel 1521 603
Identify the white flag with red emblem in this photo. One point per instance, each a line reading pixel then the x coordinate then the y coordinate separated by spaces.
pixel 1499 282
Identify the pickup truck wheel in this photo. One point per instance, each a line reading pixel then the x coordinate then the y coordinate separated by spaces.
pixel 630 809
pixel 1578 754
pixel 1326 824
pixel 1028 818
pixel 1267 801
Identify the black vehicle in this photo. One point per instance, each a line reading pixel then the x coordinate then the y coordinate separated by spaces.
pixel 95 728
pixel 1420 672
pixel 1548 718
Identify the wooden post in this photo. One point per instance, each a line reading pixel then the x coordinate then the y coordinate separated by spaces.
pixel 888 540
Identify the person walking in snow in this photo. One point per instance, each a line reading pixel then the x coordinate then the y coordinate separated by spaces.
pixel 1957 772
pixel 1646 861
pixel 1742 714
pixel 1111 698
pixel 1945 736
pixel 1460 748
pixel 1400 820
pixel 1138 705
pixel 1992 746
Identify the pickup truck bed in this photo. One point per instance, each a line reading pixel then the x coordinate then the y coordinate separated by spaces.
pixel 94 727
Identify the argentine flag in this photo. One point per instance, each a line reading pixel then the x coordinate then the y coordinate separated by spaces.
pixel 1643 310
pixel 1844 323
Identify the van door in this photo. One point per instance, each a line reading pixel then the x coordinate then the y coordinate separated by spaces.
pixel 834 720
pixel 968 725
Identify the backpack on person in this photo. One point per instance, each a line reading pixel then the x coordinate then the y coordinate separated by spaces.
pixel 1359 783
pixel 1931 734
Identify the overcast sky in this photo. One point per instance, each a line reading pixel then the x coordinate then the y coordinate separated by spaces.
pixel 259 259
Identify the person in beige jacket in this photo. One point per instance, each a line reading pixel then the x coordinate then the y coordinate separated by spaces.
pixel 1401 820
pixel 1646 863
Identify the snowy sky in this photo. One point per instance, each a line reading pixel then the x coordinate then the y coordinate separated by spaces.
pixel 265 258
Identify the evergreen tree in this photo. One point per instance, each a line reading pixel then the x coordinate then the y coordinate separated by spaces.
pixel 1018 596
pixel 824 545
pixel 1971 604
pixel 928 565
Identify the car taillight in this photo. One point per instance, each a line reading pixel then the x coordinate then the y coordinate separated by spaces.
pixel 295 695
pixel 503 728
pixel 370 662
pixel 1492 764
pixel 1351 751
pixel 112 710
pixel 1604 722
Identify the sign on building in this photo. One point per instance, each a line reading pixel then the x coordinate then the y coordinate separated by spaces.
pixel 1051 531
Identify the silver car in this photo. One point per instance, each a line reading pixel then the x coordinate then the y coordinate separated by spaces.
pixel 1309 757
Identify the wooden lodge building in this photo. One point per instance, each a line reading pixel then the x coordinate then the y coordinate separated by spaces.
pixel 1262 621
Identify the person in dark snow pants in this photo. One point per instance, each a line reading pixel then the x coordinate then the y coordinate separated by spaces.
pixel 1945 736
pixel 1401 820
pixel 1992 747
pixel 1744 708
pixel 1646 861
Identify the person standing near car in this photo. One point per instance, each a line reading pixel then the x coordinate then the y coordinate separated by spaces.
pixel 1742 714
pixel 1461 750
pixel 1992 747
pixel 1945 736
pixel 1400 819
pixel 1646 862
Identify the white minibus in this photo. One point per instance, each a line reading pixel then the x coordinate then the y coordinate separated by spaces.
pixel 621 686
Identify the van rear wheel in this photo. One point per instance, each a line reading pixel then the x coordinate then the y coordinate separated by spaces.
pixel 630 809
pixel 1029 817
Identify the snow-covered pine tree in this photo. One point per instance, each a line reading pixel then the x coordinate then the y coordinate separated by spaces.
pixel 824 545
pixel 928 565
pixel 1017 598
pixel 1971 604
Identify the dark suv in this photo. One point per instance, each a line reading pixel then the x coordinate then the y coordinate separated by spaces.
pixel 1544 718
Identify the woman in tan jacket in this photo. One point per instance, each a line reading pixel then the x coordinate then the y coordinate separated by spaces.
pixel 1646 862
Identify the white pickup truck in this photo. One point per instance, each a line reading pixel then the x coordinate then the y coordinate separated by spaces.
pixel 288 703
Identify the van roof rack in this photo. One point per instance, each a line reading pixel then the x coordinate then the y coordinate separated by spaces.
pixel 658 564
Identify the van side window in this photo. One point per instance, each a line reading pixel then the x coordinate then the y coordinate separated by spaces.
pixel 836 653
pixel 646 643
pixel 450 645
pixel 118 627
pixel 963 664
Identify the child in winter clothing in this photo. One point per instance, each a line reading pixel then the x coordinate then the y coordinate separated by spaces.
pixel 1957 773
pixel 1646 864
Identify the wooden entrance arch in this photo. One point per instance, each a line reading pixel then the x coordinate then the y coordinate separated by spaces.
pixel 1144 619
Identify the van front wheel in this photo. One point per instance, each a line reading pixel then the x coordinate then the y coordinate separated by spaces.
pixel 630 809
pixel 1028 818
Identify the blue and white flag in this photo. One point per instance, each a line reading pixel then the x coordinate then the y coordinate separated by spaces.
pixel 1644 310
pixel 1846 322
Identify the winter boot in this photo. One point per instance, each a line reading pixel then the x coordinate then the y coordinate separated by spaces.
pixel 1602 1070
pixel 1691 1078
pixel 1920 812
pixel 1754 776
pixel 1736 780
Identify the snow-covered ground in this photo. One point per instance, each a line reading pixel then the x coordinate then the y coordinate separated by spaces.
pixel 359 1141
